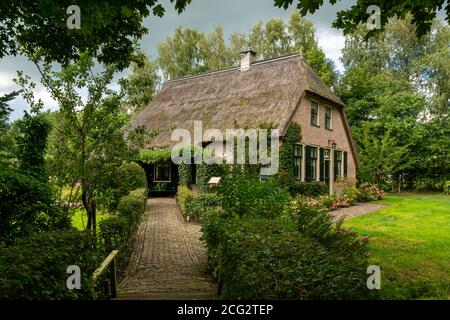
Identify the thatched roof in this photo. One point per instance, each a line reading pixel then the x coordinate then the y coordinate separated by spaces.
pixel 267 93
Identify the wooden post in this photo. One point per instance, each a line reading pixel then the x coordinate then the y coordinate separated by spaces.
pixel 113 279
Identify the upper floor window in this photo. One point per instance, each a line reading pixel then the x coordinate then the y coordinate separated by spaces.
pixel 314 113
pixel 328 118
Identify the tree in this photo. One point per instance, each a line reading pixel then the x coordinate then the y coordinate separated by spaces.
pixel 107 28
pixel 88 145
pixel 140 86
pixel 423 12
pixel 6 138
pixel 190 51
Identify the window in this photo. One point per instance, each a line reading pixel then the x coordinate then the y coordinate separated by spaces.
pixel 311 163
pixel 314 113
pixel 328 118
pixel 337 164
pixel 162 172
pixel 298 156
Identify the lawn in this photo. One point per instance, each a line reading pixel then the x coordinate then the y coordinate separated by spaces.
pixel 410 241
pixel 79 219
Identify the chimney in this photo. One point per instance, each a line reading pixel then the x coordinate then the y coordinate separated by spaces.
pixel 247 58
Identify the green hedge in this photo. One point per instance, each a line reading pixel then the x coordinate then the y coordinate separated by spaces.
pixel 271 259
pixel 35 267
pixel 116 231
pixel 309 189
pixel 242 195
pixel 196 205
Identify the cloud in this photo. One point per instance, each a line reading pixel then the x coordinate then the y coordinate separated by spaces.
pixel 332 42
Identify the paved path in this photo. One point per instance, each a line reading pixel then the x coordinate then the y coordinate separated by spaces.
pixel 168 260
pixel 356 210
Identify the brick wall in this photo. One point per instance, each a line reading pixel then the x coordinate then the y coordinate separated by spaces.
pixel 319 136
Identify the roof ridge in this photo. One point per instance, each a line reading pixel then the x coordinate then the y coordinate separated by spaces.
pixel 256 63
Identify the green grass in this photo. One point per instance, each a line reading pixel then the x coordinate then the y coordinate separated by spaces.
pixel 79 219
pixel 410 241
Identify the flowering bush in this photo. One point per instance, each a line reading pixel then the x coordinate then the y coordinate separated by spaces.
pixel 370 192
pixel 352 193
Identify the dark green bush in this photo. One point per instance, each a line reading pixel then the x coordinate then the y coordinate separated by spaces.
pixel 309 189
pixel 26 206
pixel 34 268
pixel 269 259
pixel 242 196
pixel 204 174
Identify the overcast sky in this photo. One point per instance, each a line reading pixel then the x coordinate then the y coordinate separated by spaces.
pixel 232 15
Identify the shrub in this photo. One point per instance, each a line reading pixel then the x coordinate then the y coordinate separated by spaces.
pixel 309 189
pixel 429 185
pixel 131 207
pixel 184 197
pixel 268 259
pixel 204 174
pixel 242 195
pixel 352 193
pixel 370 192
pixel 198 205
pixel 35 267
pixel 116 230
pixel 447 187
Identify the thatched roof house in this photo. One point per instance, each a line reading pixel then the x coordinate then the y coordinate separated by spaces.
pixel 274 91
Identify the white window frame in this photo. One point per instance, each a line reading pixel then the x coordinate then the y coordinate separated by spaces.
pixel 170 172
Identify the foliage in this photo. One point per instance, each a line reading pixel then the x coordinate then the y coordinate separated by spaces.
pixel 116 230
pixel 184 197
pixel 429 185
pixel 286 170
pixel 309 189
pixel 140 86
pixel 6 138
pixel 199 53
pixel 246 196
pixel 185 174
pixel 35 267
pixel 108 29
pixel 205 172
pixel 94 147
pixel 352 193
pixel 348 20
pixel 370 192
pixel 447 187
pixel 130 176
pixel 154 156
pixel 270 259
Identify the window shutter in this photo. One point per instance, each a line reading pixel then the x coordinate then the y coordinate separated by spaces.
pixel 322 164
pixel 345 164
pixel 335 171
pixel 308 168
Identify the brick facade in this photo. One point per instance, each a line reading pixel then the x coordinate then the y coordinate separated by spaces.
pixel 319 136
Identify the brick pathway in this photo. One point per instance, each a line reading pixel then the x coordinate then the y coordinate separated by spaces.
pixel 356 210
pixel 168 260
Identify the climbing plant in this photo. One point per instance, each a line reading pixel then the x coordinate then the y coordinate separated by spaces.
pixel 286 171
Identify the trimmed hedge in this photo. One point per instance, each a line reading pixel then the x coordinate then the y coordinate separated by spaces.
pixel 35 267
pixel 183 197
pixel 309 189
pixel 116 231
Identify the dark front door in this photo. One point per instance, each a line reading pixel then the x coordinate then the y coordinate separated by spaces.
pixel 327 172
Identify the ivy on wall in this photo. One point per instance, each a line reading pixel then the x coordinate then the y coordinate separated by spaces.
pixel 185 174
pixel 286 171
pixel 154 156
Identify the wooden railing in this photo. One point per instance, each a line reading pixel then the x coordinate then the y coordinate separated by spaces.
pixel 110 283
